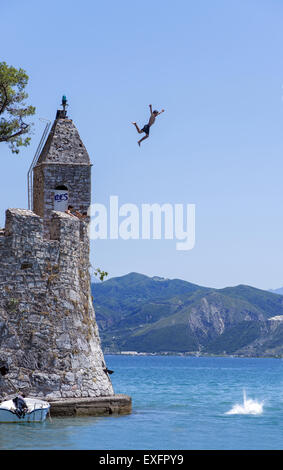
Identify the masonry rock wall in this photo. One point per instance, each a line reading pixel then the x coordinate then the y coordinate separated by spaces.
pixel 47 177
pixel 48 333
pixel 63 162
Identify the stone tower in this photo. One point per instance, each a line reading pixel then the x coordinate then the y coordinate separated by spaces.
pixel 49 339
pixel 62 175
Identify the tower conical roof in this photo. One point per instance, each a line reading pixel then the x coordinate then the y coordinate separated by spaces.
pixel 64 145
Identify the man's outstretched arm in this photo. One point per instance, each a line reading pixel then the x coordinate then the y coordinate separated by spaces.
pixel 150 108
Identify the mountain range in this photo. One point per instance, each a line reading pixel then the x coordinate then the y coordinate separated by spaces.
pixel 277 291
pixel 156 315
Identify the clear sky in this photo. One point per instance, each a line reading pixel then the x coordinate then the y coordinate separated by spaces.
pixel 216 67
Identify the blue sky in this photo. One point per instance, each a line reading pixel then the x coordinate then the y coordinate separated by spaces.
pixel 217 69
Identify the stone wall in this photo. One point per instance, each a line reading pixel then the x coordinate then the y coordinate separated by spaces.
pixel 48 333
pixel 64 144
pixel 46 177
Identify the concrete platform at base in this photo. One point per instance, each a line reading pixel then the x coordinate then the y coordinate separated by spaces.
pixel 92 406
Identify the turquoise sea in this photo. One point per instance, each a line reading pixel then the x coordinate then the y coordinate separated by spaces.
pixel 188 403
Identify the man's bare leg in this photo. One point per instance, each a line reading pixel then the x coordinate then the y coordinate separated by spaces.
pixel 145 137
pixel 137 127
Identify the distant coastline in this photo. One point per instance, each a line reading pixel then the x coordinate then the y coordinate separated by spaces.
pixel 187 354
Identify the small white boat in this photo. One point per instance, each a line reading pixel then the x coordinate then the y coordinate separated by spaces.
pixel 36 411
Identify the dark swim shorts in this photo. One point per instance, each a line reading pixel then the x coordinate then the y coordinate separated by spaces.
pixel 146 129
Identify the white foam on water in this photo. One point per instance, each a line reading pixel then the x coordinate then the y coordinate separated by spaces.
pixel 249 407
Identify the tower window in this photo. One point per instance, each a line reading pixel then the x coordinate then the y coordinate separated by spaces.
pixel 61 198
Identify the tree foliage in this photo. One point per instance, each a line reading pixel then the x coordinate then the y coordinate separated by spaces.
pixel 13 108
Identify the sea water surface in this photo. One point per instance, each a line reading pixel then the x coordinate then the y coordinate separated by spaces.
pixel 188 403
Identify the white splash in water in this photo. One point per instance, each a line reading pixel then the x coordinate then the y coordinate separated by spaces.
pixel 249 407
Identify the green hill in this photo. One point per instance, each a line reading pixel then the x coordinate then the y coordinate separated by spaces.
pixel 156 315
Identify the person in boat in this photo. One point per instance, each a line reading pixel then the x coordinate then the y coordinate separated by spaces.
pixel 21 406
pixel 146 128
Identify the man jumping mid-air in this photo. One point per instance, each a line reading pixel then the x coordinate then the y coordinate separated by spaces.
pixel 145 129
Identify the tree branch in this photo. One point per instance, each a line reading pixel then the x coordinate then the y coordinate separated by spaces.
pixel 22 131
